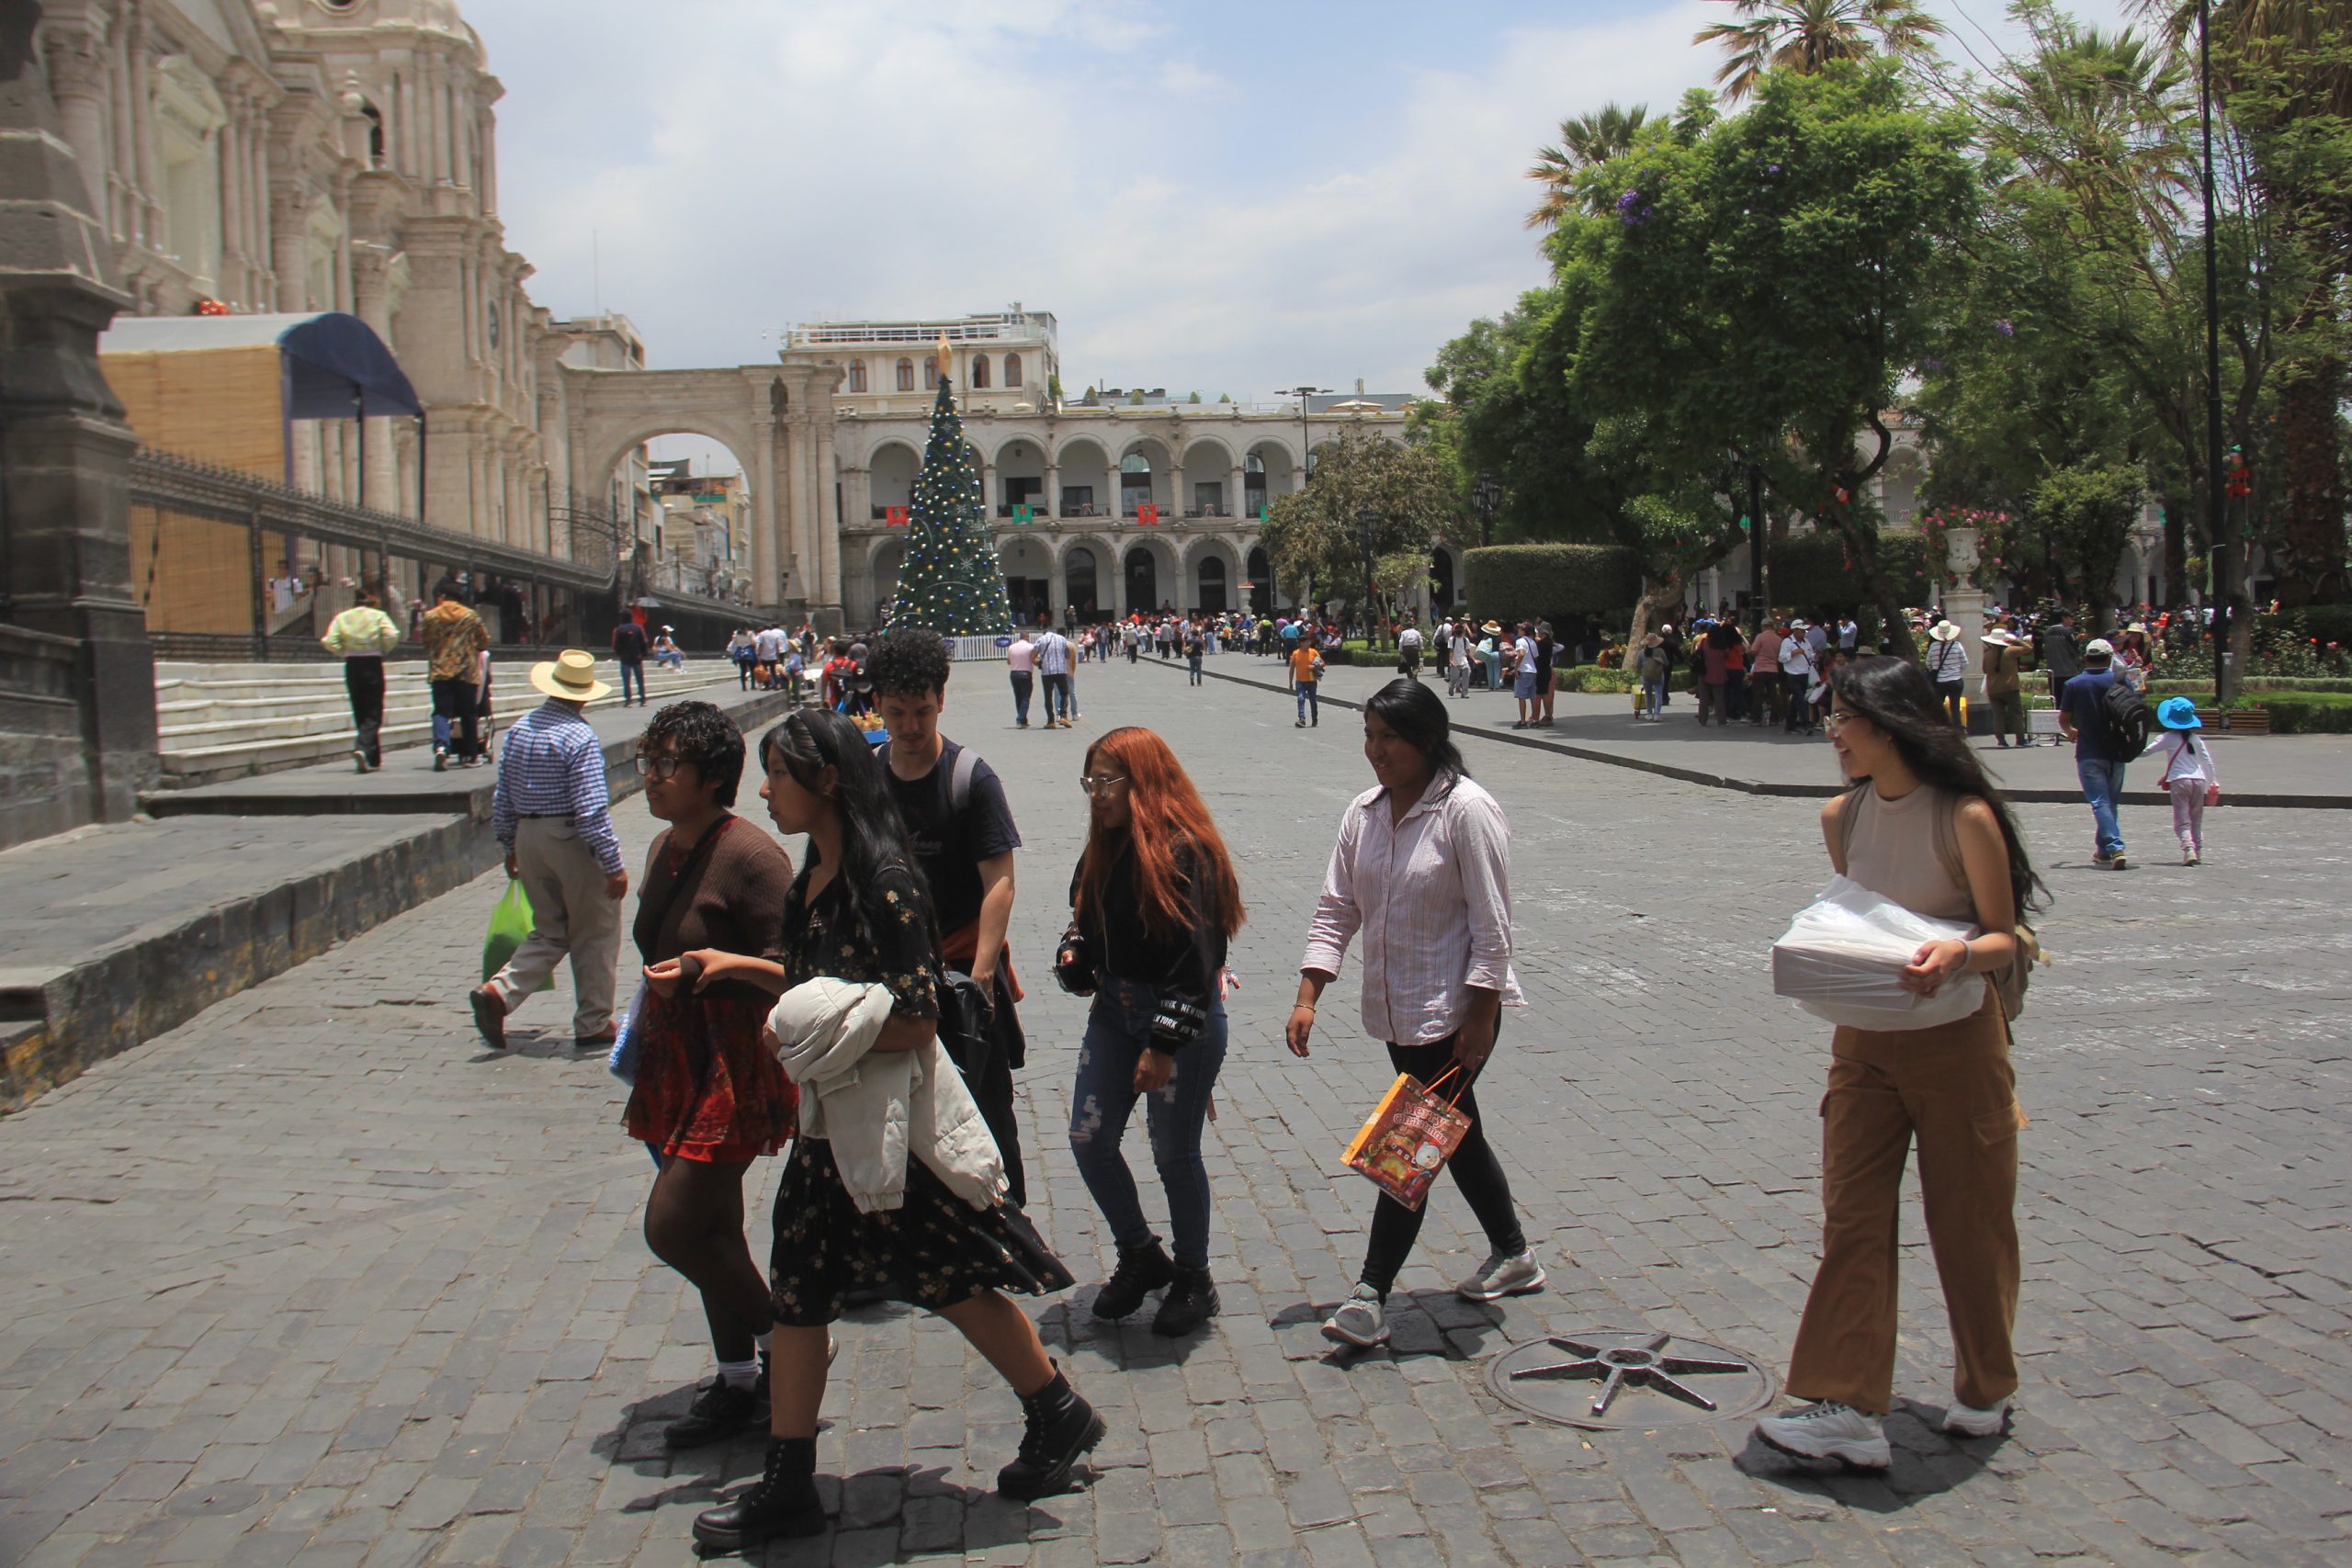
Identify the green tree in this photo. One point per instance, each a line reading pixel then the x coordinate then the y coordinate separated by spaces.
pixel 2084 513
pixel 1315 536
pixel 951 581
pixel 1805 36
pixel 1771 280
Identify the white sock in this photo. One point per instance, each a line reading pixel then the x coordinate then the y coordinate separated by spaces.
pixel 739 1374
pixel 760 1342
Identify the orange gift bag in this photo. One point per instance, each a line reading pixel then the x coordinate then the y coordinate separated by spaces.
pixel 1409 1136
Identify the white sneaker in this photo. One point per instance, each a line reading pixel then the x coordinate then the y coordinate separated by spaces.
pixel 1829 1430
pixel 1362 1320
pixel 1502 1274
pixel 1967 1421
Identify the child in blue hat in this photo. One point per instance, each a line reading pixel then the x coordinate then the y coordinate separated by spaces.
pixel 2189 772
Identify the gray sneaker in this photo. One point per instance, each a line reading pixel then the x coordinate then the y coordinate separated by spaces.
pixel 1829 1430
pixel 1362 1320
pixel 1502 1274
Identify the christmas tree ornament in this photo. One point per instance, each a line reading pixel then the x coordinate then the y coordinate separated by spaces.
pixel 950 583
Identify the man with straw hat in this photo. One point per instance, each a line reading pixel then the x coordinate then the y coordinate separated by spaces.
pixel 2004 666
pixel 553 817
pixel 1947 667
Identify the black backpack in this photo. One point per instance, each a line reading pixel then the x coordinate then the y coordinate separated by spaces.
pixel 2127 720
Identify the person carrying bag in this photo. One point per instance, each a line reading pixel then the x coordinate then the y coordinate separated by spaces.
pixel 1948 1086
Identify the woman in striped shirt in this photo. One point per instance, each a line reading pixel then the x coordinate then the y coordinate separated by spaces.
pixel 1422 870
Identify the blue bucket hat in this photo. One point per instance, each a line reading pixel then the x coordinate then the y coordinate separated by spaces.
pixel 2178 713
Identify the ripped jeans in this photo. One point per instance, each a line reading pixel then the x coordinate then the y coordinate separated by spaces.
pixel 1118 1030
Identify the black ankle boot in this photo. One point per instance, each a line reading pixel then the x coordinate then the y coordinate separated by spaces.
pixel 1191 1300
pixel 1062 1428
pixel 781 1502
pixel 1141 1270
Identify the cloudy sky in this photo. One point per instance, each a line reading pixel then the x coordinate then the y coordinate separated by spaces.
pixel 1210 196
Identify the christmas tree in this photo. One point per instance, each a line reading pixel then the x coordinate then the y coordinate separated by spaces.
pixel 951 583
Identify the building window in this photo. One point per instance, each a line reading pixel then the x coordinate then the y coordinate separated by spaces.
pixel 979 370
pixel 906 374
pixel 1013 370
pixel 930 374
pixel 857 374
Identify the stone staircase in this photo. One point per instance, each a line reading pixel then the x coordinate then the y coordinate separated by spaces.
pixel 227 721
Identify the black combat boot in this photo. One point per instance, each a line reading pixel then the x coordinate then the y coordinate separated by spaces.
pixel 781 1502
pixel 1062 1428
pixel 1141 1270
pixel 1191 1300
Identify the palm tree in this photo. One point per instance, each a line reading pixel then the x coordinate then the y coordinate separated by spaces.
pixel 1806 35
pixel 1585 141
pixel 2100 116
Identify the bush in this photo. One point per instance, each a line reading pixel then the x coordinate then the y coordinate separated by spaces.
pixel 1810 573
pixel 1596 678
pixel 2258 683
pixel 2328 623
pixel 2306 713
pixel 1550 583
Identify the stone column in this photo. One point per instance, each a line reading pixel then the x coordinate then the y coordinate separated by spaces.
pixel 1053 499
pixel 77 76
pixel 762 558
pixel 77 684
pixel 1233 491
pixel 289 242
pixel 1964 607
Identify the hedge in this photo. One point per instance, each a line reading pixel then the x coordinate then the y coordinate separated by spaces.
pixel 1598 678
pixel 2329 622
pixel 1809 572
pixel 1551 582
pixel 2311 713
pixel 2289 683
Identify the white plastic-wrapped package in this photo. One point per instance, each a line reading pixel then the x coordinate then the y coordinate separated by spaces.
pixel 1843 956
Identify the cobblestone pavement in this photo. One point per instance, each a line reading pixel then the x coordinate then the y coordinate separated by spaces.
pixel 313 1280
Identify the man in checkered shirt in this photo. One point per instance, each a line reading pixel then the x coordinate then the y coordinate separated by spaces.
pixel 552 814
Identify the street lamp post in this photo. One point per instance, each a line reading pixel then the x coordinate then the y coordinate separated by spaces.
pixel 1367 523
pixel 1487 497
pixel 1302 394
pixel 2216 519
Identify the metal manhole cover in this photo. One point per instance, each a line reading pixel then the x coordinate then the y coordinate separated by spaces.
pixel 1612 1380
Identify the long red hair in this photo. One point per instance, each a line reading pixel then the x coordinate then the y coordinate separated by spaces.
pixel 1165 814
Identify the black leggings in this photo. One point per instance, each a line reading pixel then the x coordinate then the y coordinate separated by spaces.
pixel 694 1221
pixel 1473 1167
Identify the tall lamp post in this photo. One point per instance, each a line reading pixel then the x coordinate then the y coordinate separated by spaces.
pixel 1487 497
pixel 2216 518
pixel 1302 394
pixel 1367 527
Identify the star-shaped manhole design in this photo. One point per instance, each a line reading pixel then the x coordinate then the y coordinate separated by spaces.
pixel 1693 1381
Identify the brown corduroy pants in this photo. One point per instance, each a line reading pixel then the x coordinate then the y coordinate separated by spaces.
pixel 1951 1089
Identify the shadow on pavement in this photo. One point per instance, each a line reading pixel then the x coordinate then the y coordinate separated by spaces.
pixel 1928 1463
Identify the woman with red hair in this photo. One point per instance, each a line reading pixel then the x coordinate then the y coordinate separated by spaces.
pixel 1156 901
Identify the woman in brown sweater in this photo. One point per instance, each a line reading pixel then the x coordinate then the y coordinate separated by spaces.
pixel 708 1097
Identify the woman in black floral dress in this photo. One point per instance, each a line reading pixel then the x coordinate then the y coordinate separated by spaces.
pixel 859 911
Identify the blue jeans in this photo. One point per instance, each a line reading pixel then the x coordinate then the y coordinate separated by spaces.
pixel 2102 786
pixel 1020 687
pixel 1193 661
pixel 1117 1031
pixel 1308 703
pixel 629 672
pixel 1653 695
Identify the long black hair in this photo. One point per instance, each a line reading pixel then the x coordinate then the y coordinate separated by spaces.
pixel 1419 719
pixel 874 836
pixel 1900 700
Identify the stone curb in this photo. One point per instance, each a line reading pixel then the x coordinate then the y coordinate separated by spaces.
pixel 56 1024
pixel 1792 790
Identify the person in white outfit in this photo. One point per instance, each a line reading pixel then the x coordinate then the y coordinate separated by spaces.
pixel 2190 776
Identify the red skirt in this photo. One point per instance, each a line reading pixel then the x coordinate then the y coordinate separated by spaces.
pixel 705 1089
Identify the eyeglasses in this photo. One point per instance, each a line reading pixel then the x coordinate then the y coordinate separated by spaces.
pixel 659 767
pixel 1832 723
pixel 1102 785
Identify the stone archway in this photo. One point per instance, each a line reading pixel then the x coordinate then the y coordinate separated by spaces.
pixel 778 421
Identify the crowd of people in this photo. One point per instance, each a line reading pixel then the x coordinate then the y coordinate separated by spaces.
pixel 858 1015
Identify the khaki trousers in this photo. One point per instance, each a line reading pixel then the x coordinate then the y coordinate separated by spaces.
pixel 1951 1089
pixel 569 915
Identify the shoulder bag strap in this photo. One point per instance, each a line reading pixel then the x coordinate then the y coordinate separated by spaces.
pixel 959 782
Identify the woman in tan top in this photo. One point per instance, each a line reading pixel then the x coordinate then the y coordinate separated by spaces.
pixel 1925 828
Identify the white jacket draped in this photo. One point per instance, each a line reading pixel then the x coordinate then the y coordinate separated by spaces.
pixel 875 1108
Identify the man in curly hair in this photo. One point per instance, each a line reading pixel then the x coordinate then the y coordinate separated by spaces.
pixel 964 837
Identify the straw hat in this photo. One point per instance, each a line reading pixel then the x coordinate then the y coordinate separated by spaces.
pixel 2001 636
pixel 1943 631
pixel 2140 626
pixel 1492 628
pixel 570 675
pixel 1652 640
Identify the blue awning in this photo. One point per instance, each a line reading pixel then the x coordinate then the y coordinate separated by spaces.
pixel 335 366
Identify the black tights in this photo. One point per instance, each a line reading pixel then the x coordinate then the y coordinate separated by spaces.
pixel 694 1221
pixel 1473 1169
